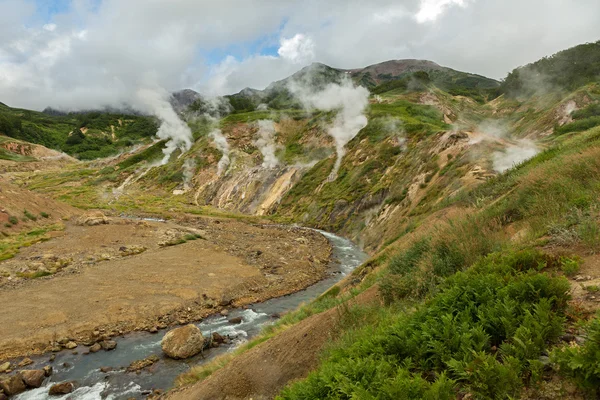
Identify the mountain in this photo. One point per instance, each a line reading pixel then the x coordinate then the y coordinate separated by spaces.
pixel 182 99
pixel 399 75
pixel 563 71
pixel 85 135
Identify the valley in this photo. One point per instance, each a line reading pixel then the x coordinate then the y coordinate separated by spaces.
pixel 474 202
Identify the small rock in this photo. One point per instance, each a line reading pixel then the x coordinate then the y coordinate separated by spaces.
pixel 109 345
pixel 154 329
pixel 139 365
pixel 580 340
pixel 33 378
pixel 52 358
pixel 12 385
pixel 96 347
pixel 224 313
pixel 25 362
pixel 567 338
pixel 235 320
pixel 61 388
pixel 4 367
pixel 217 338
pixel 66 365
pixel 48 370
pixel 106 369
pixel 75 352
pixel 70 345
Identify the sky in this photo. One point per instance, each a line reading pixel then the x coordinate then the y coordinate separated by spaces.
pixel 82 54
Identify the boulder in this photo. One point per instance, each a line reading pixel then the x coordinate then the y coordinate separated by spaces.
pixel 61 388
pixel 92 218
pixel 108 345
pixel 96 347
pixel 13 385
pixel 33 377
pixel 183 342
pixel 236 320
pixel 4 367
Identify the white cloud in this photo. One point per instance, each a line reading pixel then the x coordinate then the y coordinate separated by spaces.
pixel 101 53
pixel 297 49
pixel 430 10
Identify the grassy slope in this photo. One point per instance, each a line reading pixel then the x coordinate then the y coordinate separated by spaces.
pixel 62 132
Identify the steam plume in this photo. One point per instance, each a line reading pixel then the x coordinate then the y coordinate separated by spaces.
pixel 222 145
pixel 266 143
pixel 350 102
pixel 514 154
pixel 172 128
pixel 189 168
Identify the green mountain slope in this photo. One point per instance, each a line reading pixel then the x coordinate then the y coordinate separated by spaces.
pixel 86 136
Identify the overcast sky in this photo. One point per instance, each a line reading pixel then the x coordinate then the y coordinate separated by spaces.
pixel 75 54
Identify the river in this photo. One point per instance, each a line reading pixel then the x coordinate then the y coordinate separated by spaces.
pixel 92 384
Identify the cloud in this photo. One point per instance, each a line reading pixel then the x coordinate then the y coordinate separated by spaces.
pixel 100 52
pixel 297 49
pixel 430 10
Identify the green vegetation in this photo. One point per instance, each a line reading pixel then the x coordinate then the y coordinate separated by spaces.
pixel 83 135
pixel 565 70
pixel 29 215
pixel 481 334
pixel 10 245
pixel 581 362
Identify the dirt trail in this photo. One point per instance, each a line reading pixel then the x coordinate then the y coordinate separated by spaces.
pixel 109 286
pixel 263 371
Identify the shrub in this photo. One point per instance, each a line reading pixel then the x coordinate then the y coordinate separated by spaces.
pixel 8 225
pixel 569 266
pixel 581 363
pixel 29 215
pixel 482 333
pixel 13 220
pixel 44 215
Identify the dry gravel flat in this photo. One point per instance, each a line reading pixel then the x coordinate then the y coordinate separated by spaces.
pixel 106 289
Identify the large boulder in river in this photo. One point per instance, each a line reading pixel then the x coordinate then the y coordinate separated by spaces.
pixel 12 385
pixel 33 377
pixel 183 342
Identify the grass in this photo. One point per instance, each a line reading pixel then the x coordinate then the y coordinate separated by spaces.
pixel 10 245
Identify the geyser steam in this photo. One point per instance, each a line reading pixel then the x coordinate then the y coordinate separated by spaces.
pixel 350 102
pixel 189 169
pixel 514 154
pixel 222 145
pixel 172 128
pixel 266 143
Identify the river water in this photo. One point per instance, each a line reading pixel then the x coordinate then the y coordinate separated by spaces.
pixel 118 384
